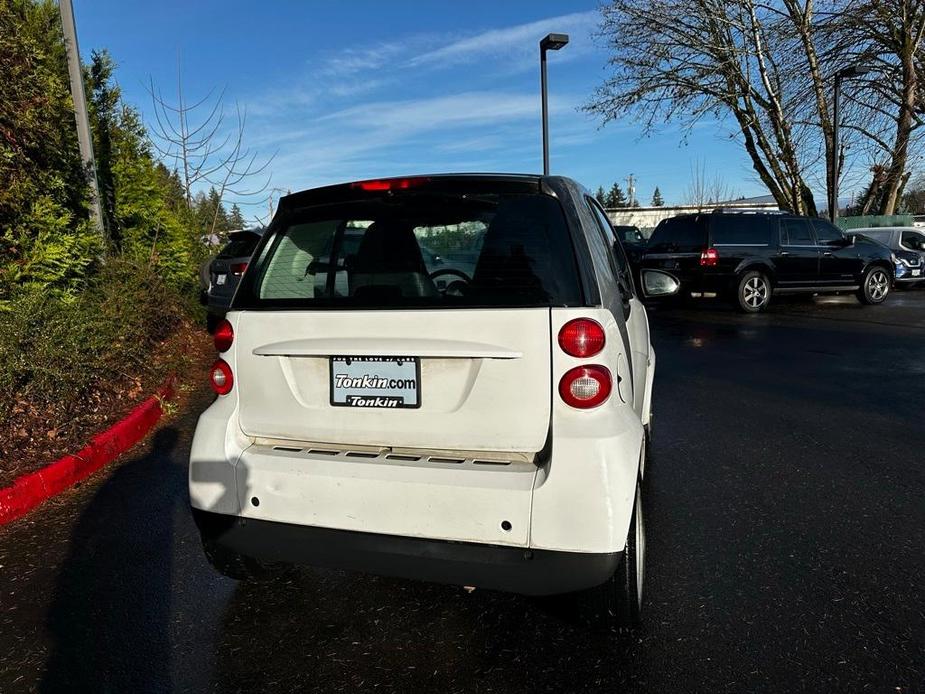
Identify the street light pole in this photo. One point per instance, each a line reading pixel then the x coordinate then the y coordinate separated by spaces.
pixel 848 72
pixel 550 42
pixel 80 112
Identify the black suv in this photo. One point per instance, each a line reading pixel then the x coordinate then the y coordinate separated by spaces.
pixel 748 256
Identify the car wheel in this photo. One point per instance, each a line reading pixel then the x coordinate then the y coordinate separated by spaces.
pixel 232 564
pixel 618 602
pixel 753 293
pixel 875 287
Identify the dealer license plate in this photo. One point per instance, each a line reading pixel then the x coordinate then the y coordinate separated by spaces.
pixel 220 279
pixel 391 382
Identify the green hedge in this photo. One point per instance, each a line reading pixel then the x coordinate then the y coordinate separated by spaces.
pixel 56 348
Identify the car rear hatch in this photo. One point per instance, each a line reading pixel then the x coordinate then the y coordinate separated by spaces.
pixel 676 246
pixel 355 346
pixel 229 265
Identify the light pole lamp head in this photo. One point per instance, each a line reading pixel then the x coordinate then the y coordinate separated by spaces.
pixel 553 42
pixel 853 71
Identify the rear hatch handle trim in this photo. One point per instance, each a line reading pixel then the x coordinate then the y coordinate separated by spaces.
pixel 386 347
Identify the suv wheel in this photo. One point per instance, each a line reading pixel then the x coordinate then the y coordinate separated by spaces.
pixel 618 602
pixel 875 287
pixel 753 293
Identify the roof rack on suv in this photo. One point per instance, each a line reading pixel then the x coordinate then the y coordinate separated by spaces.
pixel 749 210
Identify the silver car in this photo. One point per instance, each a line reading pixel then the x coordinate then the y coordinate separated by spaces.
pixel 908 246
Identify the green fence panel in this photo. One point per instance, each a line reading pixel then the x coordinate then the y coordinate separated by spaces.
pixel 874 220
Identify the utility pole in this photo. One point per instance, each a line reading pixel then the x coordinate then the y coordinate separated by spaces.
pixel 630 192
pixel 80 113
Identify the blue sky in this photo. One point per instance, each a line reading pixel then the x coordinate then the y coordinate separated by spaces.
pixel 347 90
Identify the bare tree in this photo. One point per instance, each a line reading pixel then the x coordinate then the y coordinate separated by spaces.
pixel 703 191
pixel 767 68
pixel 689 60
pixel 887 37
pixel 207 148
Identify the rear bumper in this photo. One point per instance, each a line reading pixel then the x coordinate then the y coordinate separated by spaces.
pixel 513 569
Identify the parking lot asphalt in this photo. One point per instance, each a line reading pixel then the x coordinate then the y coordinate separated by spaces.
pixel 786 537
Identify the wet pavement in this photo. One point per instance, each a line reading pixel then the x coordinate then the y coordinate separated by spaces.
pixel 786 540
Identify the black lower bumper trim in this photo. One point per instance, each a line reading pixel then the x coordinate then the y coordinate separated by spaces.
pixel 514 569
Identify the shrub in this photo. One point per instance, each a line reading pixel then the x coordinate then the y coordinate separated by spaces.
pixel 55 348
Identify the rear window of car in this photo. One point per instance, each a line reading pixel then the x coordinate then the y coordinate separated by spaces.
pixel 679 235
pixel 739 230
pixel 240 246
pixel 418 249
pixel 629 234
pixel 913 240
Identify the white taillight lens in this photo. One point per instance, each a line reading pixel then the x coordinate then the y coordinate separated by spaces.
pixel 221 378
pixel 585 386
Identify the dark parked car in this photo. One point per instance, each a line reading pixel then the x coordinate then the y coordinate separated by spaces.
pixel 634 243
pixel 220 275
pixel 750 256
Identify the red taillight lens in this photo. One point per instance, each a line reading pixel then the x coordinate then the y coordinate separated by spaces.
pixel 709 257
pixel 221 377
pixel 223 336
pixel 585 386
pixel 389 184
pixel 582 338
pixel 238 268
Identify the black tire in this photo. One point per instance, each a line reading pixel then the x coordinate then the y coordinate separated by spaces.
pixel 875 286
pixel 617 604
pixel 232 564
pixel 753 292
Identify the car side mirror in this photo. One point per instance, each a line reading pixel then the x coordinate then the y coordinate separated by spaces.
pixel 656 283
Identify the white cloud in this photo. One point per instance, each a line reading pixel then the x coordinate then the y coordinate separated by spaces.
pixel 520 41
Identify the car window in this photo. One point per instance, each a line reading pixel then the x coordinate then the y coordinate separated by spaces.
pixel 827 232
pixel 240 246
pixel 739 229
pixel 618 255
pixel 629 234
pixel 409 249
pixel 914 240
pixel 684 234
pixel 796 232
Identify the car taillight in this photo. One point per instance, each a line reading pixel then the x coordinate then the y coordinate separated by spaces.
pixel 238 269
pixel 221 377
pixel 389 184
pixel 585 386
pixel 709 257
pixel 223 336
pixel 582 337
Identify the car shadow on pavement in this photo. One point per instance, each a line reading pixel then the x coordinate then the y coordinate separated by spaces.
pixel 321 630
pixel 110 614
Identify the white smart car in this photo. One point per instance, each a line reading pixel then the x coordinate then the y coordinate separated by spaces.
pixel 494 435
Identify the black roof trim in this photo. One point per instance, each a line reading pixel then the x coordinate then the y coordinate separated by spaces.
pixel 443 181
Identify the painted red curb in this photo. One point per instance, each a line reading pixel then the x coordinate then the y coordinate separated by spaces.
pixel 30 490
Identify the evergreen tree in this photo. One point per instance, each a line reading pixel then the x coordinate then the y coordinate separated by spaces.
pixel 600 195
pixel 616 198
pixel 657 200
pixel 235 218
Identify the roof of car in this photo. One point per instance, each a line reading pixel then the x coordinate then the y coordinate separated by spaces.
pixel 349 188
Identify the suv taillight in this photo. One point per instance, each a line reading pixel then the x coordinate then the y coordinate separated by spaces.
pixel 585 386
pixel 709 257
pixel 237 269
pixel 221 377
pixel 582 338
pixel 223 336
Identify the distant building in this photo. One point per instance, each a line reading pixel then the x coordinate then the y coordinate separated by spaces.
pixel 647 218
